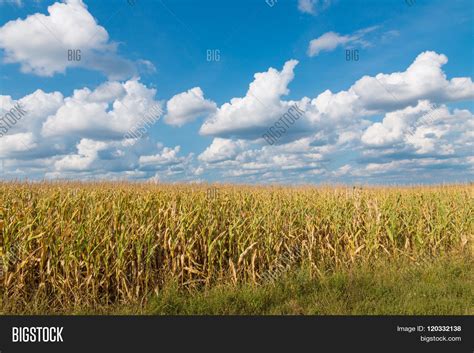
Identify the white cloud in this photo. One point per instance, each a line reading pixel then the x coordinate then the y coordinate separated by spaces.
pixel 167 156
pixel 107 112
pixel 12 144
pixel 147 65
pixel 423 79
pixel 313 6
pixel 331 40
pixel 40 43
pixel 82 136
pixel 251 115
pixel 243 161
pixel 187 106
pixel 327 42
pixel 87 154
pixel 422 129
pixel 222 149
pixel 24 136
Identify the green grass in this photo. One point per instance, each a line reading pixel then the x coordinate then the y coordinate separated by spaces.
pixel 435 287
pixel 443 287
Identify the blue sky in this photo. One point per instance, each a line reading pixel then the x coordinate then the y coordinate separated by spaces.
pixel 365 121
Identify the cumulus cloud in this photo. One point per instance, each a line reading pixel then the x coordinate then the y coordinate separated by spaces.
pixel 337 124
pixel 40 43
pixel 383 127
pixel 107 112
pixel 87 154
pixel 251 115
pixel 187 106
pixel 423 79
pixel 83 135
pixel 12 144
pixel 25 135
pixel 422 129
pixel 221 150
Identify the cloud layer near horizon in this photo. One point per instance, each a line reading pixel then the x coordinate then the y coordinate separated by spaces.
pixel 390 125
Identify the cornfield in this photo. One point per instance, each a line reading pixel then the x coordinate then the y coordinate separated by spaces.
pixel 86 244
